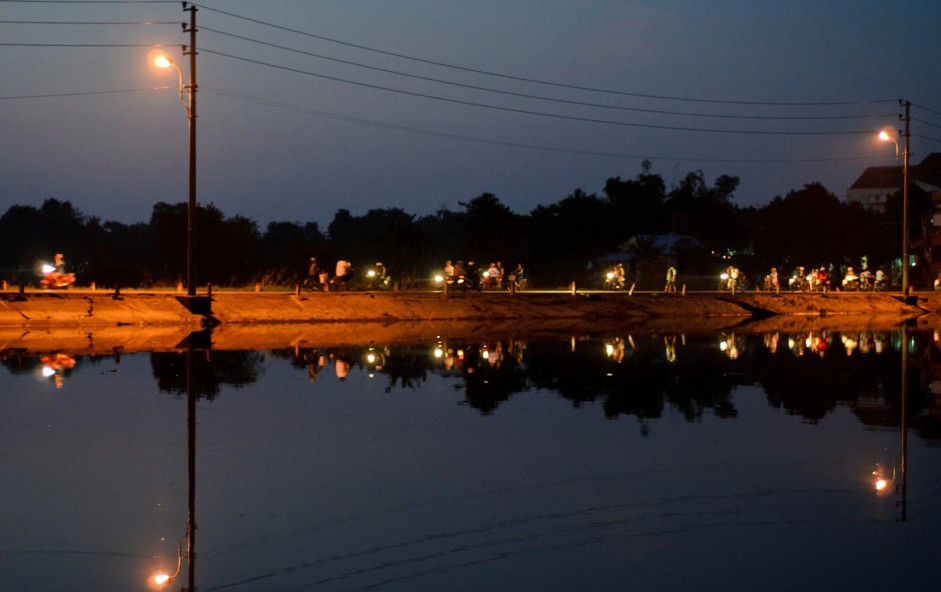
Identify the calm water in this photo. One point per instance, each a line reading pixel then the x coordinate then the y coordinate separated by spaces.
pixel 639 463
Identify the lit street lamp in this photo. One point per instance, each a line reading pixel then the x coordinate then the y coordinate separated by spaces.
pixel 885 137
pixel 162 61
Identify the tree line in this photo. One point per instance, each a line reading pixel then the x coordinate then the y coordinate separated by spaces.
pixel 556 242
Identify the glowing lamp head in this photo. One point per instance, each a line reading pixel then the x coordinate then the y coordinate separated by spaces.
pixel 161 579
pixel 162 61
pixel 884 136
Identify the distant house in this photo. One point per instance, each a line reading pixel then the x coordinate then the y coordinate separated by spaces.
pixel 665 244
pixel 647 256
pixel 873 188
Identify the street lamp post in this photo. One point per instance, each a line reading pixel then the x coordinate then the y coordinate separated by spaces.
pixel 905 153
pixel 162 61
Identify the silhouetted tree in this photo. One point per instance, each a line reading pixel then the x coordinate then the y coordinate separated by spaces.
pixel 492 232
pixel 812 227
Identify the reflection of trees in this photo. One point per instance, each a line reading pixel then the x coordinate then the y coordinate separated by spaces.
pixel 488 382
pixel 213 369
pixel 812 385
pixel 407 366
pixel 641 382
pixel 18 362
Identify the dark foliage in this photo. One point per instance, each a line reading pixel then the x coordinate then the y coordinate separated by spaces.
pixel 554 242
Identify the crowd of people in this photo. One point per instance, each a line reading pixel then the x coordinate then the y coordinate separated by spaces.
pixel 493 277
pixel 815 279
pixel 466 275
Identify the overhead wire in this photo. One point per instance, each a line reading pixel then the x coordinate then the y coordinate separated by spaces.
pixel 528 111
pixel 460 85
pixel 532 96
pixel 479 140
pixel 534 80
pixel 80 94
pixel 17 22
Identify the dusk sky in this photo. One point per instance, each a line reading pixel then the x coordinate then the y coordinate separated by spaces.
pixel 305 107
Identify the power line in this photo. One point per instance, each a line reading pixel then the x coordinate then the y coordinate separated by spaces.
pixel 4 44
pixel 538 97
pixel 9 22
pixel 930 139
pixel 82 94
pixel 928 123
pixel 505 143
pixel 90 1
pixel 536 81
pixel 530 112
pixel 923 108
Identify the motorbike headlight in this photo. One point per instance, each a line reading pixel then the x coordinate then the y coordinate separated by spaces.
pixel 439 278
pixel 47 268
pixel 610 275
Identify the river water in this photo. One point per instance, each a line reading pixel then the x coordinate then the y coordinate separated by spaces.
pixel 642 462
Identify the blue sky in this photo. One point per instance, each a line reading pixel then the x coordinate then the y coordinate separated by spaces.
pixel 306 107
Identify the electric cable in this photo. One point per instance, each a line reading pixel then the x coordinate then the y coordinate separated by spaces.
pixel 531 112
pixel 537 97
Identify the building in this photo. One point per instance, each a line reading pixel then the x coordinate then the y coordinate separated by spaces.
pixel 873 188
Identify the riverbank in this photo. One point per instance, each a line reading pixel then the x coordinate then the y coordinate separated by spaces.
pixel 41 309
pixel 141 321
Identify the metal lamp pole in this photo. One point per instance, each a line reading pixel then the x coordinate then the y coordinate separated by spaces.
pixel 885 137
pixel 191 116
pixel 905 152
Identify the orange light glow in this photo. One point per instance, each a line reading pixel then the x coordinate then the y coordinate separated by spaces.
pixel 161 579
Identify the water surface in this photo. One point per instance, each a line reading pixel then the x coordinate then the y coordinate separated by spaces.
pixel 639 462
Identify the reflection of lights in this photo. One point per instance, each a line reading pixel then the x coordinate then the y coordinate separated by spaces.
pixel 849 344
pixel 609 349
pixel 439 352
pixel 882 481
pixel 723 346
pixel 371 358
pixel 485 354
pixel 55 365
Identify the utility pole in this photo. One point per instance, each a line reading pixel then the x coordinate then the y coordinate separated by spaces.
pixel 905 154
pixel 191 115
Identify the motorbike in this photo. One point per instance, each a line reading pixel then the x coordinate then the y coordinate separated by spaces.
pixel 53 279
pixel 798 283
pixel 377 279
pixel 613 281
pixel 468 281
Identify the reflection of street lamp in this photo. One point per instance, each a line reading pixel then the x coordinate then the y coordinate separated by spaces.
pixel 162 61
pixel 885 137
pixel 162 579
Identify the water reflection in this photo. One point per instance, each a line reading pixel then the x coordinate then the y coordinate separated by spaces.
pixel 808 374
pixel 633 502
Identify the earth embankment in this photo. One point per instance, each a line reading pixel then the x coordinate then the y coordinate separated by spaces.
pixel 135 321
